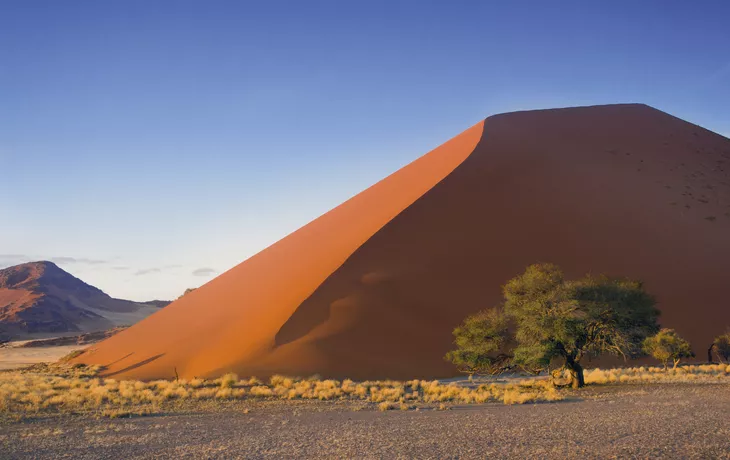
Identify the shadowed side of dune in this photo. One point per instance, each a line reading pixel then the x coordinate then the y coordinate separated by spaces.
pixel 622 190
pixel 234 318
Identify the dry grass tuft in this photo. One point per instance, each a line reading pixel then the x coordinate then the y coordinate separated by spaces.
pixel 128 413
pixel 385 405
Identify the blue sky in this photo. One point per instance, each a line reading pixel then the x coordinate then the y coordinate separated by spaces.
pixel 148 145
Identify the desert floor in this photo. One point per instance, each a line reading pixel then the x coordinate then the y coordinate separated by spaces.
pixel 634 420
pixel 13 357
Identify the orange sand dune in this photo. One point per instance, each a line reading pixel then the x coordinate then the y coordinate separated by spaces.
pixel 373 288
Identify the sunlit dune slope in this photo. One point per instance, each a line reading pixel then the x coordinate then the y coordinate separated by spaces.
pixel 234 319
pixel 374 288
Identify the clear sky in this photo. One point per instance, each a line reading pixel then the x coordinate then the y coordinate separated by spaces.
pixel 147 145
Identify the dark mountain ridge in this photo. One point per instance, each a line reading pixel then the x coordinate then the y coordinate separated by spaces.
pixel 40 298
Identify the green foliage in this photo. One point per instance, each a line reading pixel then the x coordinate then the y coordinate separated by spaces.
pixel 479 341
pixel 568 320
pixel 541 308
pixel 721 345
pixel 619 315
pixel 667 345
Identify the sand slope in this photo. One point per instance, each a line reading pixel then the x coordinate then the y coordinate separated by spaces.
pixel 373 288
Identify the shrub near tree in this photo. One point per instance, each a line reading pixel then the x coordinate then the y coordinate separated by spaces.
pixel 667 346
pixel 721 347
pixel 552 319
pixel 480 341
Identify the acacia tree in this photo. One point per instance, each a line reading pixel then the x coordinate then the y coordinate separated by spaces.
pixel 554 319
pixel 666 345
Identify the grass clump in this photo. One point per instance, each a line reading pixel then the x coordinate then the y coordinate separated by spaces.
pixel 128 413
pixel 386 405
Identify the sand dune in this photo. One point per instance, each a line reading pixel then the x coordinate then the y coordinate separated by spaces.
pixel 373 288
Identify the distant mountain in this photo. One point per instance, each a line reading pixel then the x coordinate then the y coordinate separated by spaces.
pixel 41 299
pixel 156 303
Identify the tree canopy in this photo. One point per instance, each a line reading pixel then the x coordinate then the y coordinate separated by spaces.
pixel 552 319
pixel 666 345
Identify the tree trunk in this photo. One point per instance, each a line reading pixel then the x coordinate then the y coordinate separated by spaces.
pixel 576 372
pixel 709 353
pixel 676 361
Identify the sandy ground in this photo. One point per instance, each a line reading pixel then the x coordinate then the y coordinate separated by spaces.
pixel 628 421
pixel 14 358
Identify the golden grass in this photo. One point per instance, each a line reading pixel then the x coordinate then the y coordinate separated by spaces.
pixel 682 374
pixel 128 413
pixel 63 389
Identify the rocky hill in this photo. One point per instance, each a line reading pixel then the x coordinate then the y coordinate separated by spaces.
pixel 39 298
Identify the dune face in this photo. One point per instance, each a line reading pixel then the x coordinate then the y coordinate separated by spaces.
pixel 373 288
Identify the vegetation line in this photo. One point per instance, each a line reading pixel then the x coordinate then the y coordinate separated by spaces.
pixel 78 389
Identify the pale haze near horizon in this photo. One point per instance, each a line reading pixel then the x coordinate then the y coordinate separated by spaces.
pixel 148 147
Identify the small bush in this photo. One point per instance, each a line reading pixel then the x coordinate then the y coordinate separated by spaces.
pixel 721 346
pixel 480 341
pixel 384 406
pixel 228 380
pixel 666 345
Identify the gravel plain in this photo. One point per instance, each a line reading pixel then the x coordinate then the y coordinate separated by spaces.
pixel 619 421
